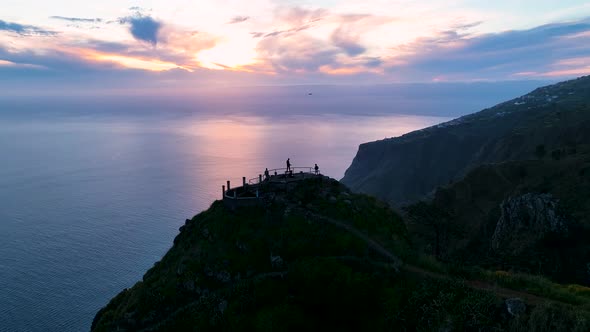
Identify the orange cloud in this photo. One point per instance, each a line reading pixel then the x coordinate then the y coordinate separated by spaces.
pixel 131 62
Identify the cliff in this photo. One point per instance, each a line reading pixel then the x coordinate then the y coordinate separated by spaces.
pixel 530 216
pixel 508 206
pixel 407 168
pixel 317 257
pixel 287 263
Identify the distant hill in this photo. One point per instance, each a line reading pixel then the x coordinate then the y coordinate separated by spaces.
pixel 405 169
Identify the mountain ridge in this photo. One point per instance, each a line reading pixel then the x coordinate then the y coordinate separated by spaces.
pixel 406 168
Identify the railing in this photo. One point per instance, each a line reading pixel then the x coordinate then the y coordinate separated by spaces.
pixel 281 171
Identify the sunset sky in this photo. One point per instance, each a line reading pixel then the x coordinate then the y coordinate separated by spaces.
pixel 180 42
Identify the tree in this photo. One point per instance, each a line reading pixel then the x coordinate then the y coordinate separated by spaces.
pixel 434 218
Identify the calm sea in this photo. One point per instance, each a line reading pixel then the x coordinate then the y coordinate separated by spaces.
pixel 93 190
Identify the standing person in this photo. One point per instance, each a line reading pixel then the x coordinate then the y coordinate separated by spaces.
pixel 288 164
pixel 317 169
pixel 266 174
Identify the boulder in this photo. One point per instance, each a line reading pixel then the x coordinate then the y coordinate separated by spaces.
pixel 515 306
pixel 276 261
pixel 526 219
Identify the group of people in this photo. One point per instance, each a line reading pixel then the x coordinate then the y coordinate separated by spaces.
pixel 289 170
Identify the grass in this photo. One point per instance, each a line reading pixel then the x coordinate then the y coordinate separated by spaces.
pixel 537 285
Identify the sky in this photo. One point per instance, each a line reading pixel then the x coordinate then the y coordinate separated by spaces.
pixel 179 44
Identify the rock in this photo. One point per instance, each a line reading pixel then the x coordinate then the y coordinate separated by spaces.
pixel 223 276
pixel 332 199
pixel 515 306
pixel 205 232
pixel 189 285
pixel 276 261
pixel 222 306
pixel 525 220
pixel 348 202
pixel 241 247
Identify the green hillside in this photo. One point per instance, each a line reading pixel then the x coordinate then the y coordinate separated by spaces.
pixel 406 168
pixel 474 226
pixel 318 258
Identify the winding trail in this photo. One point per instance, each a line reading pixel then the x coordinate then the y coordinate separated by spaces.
pixel 398 264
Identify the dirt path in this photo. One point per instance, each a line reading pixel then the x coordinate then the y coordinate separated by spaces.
pixel 398 264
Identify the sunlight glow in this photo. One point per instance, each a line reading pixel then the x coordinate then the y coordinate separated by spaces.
pixel 234 54
pixel 135 63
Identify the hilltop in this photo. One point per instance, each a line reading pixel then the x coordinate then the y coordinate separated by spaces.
pixel 316 257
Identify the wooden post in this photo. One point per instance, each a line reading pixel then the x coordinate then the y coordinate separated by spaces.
pixel 235 194
pixel 222 192
pixel 228 187
pixel 259 178
pixel 243 181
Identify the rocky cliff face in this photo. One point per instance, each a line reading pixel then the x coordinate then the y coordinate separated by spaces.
pixel 526 220
pixel 529 216
pixel 406 168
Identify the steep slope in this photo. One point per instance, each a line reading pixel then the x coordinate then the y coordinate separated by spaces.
pixel 282 265
pixel 406 168
pixel 319 258
pixel 530 216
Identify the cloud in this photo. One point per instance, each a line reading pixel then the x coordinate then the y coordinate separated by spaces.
pixel 298 48
pixel 239 19
pixel 296 19
pixel 348 42
pixel 144 28
pixel 457 55
pixel 24 30
pixel 77 19
pixel 296 53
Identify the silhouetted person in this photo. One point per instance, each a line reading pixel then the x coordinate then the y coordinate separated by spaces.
pixel 266 175
pixel 288 164
pixel 317 169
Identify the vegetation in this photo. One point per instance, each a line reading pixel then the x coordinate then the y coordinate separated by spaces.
pixel 467 213
pixel 485 253
pixel 280 268
pixel 547 121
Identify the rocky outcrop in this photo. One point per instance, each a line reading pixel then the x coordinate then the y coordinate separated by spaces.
pixel 515 306
pixel 525 220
